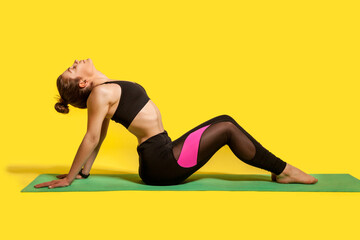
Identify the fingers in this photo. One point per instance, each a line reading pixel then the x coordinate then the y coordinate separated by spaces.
pixel 53 184
pixel 45 184
pixel 58 184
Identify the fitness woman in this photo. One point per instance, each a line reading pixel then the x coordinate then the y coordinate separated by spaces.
pixel 161 160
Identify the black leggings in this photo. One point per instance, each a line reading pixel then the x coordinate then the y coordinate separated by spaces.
pixel 166 162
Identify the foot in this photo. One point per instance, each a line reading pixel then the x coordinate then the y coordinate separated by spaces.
pixel 292 174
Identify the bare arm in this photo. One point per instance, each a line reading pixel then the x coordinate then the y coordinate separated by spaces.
pixel 91 159
pixel 85 150
pixel 97 104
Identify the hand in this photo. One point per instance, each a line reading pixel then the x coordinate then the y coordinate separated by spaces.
pixel 65 175
pixel 55 183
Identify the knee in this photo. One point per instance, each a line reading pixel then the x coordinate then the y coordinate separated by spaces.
pixel 225 117
pixel 229 128
pixel 225 129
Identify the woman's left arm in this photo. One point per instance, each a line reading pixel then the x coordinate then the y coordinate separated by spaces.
pixel 97 105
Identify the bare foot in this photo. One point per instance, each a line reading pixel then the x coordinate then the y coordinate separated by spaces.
pixel 292 174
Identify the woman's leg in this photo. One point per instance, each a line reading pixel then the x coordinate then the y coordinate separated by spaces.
pixel 193 149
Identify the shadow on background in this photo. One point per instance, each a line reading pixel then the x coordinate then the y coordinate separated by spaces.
pixel 41 169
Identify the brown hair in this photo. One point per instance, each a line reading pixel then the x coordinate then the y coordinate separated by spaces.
pixel 71 93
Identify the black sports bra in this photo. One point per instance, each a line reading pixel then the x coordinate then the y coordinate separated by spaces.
pixel 133 98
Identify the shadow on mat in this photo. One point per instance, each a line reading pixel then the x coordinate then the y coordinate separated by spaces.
pixel 134 177
pixel 230 177
pixel 197 176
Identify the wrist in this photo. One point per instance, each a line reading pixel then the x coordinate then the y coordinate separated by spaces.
pixel 83 171
pixel 83 174
pixel 68 180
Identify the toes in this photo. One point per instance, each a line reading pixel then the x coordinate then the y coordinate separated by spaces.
pixel 311 180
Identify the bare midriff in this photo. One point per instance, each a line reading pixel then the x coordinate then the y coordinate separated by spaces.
pixel 147 122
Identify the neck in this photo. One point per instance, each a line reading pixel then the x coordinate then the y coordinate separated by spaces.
pixel 99 78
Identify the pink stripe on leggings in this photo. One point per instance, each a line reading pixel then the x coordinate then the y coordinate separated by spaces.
pixel 189 152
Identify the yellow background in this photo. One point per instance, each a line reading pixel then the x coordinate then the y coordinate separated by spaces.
pixel 287 71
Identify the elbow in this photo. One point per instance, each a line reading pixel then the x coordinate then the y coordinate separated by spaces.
pixel 92 138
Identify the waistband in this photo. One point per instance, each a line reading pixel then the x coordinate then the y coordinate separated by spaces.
pixel 159 135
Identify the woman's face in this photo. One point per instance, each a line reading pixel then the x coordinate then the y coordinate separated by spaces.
pixel 82 69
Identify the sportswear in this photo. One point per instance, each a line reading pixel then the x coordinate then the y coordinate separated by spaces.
pixel 163 161
pixel 133 98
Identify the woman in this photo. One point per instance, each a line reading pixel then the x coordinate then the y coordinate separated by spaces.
pixel 161 160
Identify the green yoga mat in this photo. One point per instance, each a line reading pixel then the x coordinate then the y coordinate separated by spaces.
pixel 201 182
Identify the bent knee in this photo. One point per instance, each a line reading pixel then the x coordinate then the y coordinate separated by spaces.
pixel 225 117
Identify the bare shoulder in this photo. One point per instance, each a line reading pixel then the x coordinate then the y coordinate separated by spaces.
pixel 100 95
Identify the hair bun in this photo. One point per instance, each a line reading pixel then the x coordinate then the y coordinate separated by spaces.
pixel 62 107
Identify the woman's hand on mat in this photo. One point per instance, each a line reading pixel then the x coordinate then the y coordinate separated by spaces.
pixel 54 183
pixel 64 175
